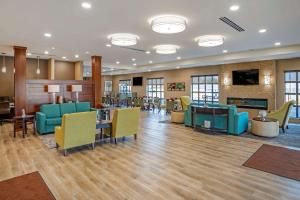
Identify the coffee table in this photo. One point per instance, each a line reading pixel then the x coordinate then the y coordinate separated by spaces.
pixel 102 124
pixel 265 127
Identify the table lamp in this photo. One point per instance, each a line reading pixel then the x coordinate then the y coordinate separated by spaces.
pixel 53 89
pixel 77 89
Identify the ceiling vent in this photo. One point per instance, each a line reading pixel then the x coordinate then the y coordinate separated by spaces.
pixel 133 49
pixel 232 24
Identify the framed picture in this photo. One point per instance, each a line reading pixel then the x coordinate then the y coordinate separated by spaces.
pixel 180 86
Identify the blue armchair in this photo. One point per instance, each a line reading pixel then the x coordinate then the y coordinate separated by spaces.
pixel 238 122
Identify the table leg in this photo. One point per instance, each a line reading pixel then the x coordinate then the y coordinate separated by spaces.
pixel 34 127
pixel 23 128
pixel 15 129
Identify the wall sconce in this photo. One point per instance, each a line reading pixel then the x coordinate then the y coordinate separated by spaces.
pixel 226 81
pixel 77 89
pixel 53 89
pixel 267 79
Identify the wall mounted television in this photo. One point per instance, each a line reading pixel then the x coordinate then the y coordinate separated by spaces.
pixel 137 81
pixel 245 77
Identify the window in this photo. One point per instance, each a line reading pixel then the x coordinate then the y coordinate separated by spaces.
pixel 292 90
pixel 155 87
pixel 125 86
pixel 205 89
pixel 107 87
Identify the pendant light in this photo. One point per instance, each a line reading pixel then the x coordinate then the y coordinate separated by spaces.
pixel 38 71
pixel 3 69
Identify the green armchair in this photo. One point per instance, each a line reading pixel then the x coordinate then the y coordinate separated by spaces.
pixel 282 114
pixel 77 129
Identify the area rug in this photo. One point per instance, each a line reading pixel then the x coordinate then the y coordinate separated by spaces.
pixel 276 160
pixel 290 138
pixel 48 140
pixel 25 187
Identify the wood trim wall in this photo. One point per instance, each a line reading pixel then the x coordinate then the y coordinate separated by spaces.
pixel 37 92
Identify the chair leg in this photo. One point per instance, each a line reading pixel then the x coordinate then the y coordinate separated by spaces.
pixel 123 138
pixel 135 136
pixel 287 127
pixel 116 141
pixel 93 145
pixel 65 152
pixel 283 130
pixel 56 145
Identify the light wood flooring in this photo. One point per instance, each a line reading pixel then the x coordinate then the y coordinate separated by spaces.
pixel 167 161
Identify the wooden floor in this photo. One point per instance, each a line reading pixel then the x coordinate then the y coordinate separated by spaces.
pixel 167 161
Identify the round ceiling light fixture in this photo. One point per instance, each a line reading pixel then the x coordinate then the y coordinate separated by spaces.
pixel 166 48
pixel 168 24
pixel 210 40
pixel 123 39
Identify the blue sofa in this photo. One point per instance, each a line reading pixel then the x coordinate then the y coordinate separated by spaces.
pixel 50 114
pixel 238 122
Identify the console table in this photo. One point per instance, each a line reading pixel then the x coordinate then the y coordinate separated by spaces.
pixel 212 111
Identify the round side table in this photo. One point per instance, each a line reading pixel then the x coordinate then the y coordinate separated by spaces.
pixel 266 127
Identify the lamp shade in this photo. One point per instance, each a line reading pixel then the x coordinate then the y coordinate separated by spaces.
pixel 53 88
pixel 76 88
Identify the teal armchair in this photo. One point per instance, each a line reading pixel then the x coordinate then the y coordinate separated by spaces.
pixel 50 114
pixel 238 122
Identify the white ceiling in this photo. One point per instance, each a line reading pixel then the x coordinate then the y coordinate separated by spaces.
pixel 76 30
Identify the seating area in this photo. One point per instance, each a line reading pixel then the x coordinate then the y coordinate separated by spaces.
pixel 150 100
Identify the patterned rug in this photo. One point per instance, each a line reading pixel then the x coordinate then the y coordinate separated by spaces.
pixel 48 140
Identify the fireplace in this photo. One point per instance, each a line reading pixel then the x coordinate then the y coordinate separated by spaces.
pixel 250 103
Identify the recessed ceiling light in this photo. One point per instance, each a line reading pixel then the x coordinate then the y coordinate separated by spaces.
pixel 108 45
pixel 166 48
pixel 104 70
pixel 149 70
pixel 64 57
pixel 262 30
pixel 277 43
pixel 148 52
pixel 86 5
pixel 133 59
pixel 177 67
pixel 46 52
pixel 29 54
pixel 48 35
pixel 76 56
pixel 134 64
pixel 225 51
pixel 52 48
pixel 117 62
pixel 210 40
pixel 234 7
pixel 150 62
pixel 112 69
pixel 123 39
pixel 168 24
pixel 178 58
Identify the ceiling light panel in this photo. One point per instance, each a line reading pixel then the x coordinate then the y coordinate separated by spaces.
pixel 168 24
pixel 210 40
pixel 166 48
pixel 123 39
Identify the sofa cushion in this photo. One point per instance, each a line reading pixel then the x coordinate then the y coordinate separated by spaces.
pixel 53 121
pixel 51 110
pixel 67 108
pixel 83 107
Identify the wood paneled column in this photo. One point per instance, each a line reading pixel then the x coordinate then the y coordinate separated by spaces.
pixel 51 69
pixel 20 79
pixel 79 70
pixel 96 76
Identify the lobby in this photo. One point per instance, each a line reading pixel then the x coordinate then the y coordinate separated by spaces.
pixel 150 100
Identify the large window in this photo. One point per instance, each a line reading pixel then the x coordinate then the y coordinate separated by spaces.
pixel 125 86
pixel 292 90
pixel 155 87
pixel 205 88
pixel 107 87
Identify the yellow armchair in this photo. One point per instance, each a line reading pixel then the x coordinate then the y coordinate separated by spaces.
pixel 77 129
pixel 282 114
pixel 185 102
pixel 125 122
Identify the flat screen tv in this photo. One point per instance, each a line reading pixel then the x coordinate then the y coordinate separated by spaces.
pixel 137 81
pixel 245 77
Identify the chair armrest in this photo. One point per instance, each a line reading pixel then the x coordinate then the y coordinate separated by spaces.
pixel 59 136
pixel 40 122
pixel 241 121
pixel 93 109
